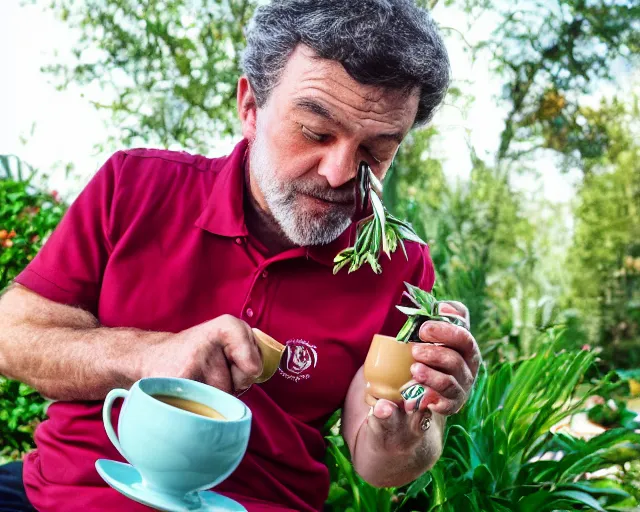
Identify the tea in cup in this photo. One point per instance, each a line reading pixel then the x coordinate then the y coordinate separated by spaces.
pixel 181 436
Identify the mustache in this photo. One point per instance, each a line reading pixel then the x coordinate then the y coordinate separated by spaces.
pixel 344 194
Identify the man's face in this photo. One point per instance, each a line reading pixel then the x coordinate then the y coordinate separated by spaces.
pixel 308 139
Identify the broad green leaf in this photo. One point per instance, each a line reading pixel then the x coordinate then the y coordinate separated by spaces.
pixel 588 488
pixel 419 485
pixel 483 479
pixel 579 497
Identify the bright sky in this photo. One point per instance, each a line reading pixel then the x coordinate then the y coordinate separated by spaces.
pixel 66 126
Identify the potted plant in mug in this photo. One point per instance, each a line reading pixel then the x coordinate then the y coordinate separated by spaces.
pixel 387 367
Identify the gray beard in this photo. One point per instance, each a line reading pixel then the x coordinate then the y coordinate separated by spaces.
pixel 301 227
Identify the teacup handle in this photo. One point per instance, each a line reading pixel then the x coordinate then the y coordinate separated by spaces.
pixel 113 395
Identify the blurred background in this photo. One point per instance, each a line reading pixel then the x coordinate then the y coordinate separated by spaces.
pixel 526 186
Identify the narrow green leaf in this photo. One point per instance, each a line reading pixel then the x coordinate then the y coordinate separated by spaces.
pixel 411 311
pixel 404 249
pixel 408 234
pixel 379 212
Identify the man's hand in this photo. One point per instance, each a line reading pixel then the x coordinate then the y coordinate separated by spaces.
pixel 446 365
pixel 394 445
pixel 389 447
pixel 52 347
pixel 398 431
pixel 221 352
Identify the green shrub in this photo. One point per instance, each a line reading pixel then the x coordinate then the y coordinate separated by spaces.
pixel 21 410
pixel 27 216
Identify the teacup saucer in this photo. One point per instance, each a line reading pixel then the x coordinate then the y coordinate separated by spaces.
pixel 125 479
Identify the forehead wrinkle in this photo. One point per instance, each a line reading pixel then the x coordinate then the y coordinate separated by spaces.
pixel 388 115
pixel 318 69
pixel 374 94
pixel 367 103
pixel 360 104
pixel 325 75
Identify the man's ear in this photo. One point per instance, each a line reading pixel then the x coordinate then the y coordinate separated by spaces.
pixel 247 108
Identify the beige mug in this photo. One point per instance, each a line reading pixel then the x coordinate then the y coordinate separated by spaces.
pixel 271 351
pixel 387 369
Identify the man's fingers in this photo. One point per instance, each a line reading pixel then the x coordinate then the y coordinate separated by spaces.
pixel 444 360
pixel 241 382
pixel 384 419
pixel 453 307
pixel 216 373
pixel 221 383
pixel 446 385
pixel 417 397
pixel 444 406
pixel 455 311
pixel 390 422
pixel 384 409
pixel 453 337
pixel 242 353
pixel 425 400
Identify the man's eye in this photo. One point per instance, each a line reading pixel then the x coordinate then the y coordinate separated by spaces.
pixel 315 137
pixel 376 160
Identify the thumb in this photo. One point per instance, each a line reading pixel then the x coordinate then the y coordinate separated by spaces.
pixel 383 409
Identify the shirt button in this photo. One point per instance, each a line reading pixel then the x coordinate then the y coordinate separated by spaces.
pixel 239 241
pixel 249 312
pixel 264 274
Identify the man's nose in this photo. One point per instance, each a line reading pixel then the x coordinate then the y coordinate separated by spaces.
pixel 338 166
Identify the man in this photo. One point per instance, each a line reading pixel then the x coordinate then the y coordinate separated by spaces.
pixel 166 260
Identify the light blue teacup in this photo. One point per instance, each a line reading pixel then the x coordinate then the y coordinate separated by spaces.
pixel 178 452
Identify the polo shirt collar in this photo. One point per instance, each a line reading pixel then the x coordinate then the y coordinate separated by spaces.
pixel 224 213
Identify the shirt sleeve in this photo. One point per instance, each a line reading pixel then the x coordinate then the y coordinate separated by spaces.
pixel 69 267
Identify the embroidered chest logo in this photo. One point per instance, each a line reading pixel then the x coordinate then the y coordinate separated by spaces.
pixel 298 361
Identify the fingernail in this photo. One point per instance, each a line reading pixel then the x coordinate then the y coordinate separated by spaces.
pixel 428 328
pixel 425 349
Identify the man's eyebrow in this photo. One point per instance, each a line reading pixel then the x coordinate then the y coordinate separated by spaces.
pixel 316 108
pixel 396 137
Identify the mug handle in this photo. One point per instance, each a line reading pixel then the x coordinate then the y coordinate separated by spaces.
pixel 113 395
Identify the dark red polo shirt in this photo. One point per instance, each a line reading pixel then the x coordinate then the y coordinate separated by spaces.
pixel 157 241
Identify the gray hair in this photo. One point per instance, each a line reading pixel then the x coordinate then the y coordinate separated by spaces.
pixel 389 43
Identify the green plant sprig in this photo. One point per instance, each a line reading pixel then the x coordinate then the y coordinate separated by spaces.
pixel 423 307
pixel 378 233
